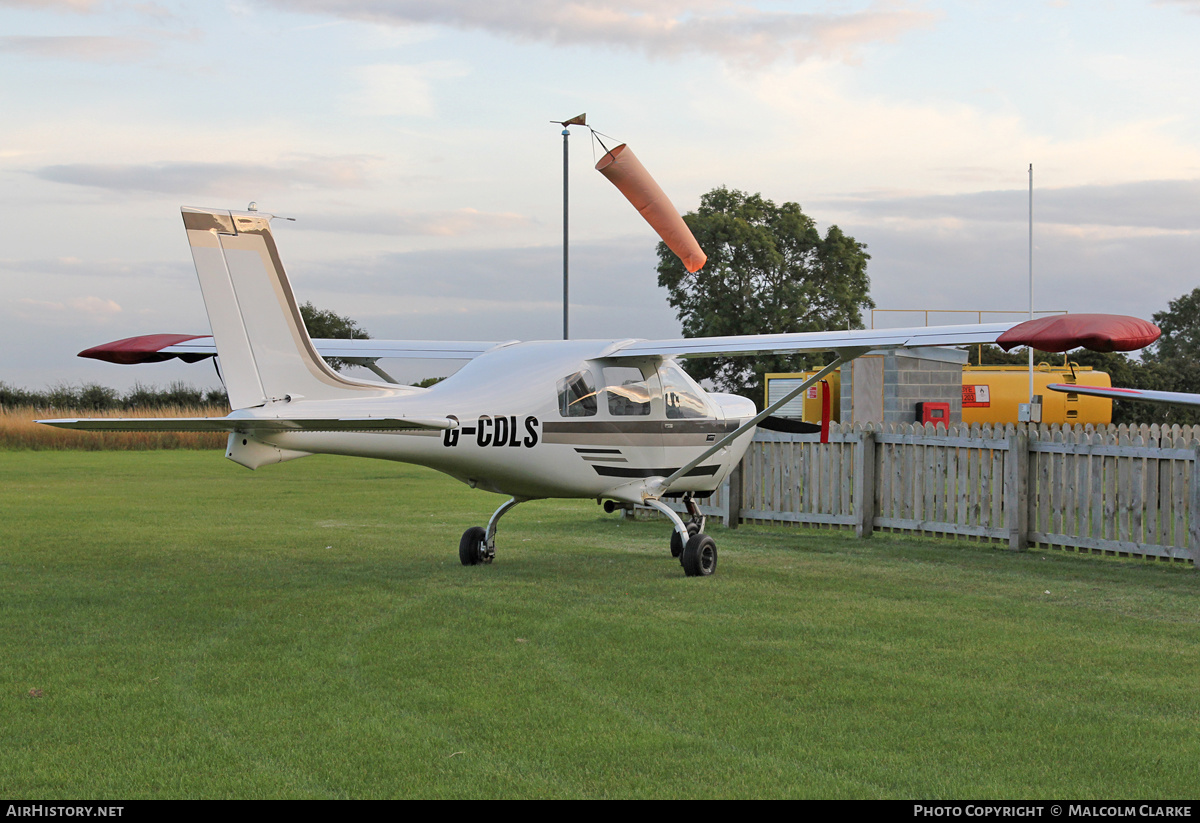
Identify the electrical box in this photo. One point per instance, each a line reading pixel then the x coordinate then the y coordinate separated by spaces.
pixel 1030 412
pixel 928 412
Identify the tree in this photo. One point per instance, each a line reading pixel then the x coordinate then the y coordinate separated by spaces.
pixel 327 324
pixel 768 271
pixel 1173 362
pixel 1180 325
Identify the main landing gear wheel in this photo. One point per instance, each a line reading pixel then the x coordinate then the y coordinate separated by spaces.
pixel 470 547
pixel 699 556
pixel 478 545
pixel 677 543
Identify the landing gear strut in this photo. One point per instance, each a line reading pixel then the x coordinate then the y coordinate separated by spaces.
pixel 697 552
pixel 694 527
pixel 478 545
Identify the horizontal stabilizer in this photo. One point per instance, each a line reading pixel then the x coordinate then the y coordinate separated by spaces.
pixel 256 425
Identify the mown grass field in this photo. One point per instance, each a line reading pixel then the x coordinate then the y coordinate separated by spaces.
pixel 172 625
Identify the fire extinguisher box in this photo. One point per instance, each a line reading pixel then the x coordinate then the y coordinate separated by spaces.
pixel 928 412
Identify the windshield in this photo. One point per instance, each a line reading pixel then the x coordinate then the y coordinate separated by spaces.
pixel 684 399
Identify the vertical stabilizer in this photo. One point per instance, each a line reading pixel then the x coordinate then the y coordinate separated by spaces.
pixel 264 349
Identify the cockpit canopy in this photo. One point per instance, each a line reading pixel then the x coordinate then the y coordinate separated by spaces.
pixel 621 389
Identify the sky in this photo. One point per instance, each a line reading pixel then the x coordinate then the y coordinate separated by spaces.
pixel 413 144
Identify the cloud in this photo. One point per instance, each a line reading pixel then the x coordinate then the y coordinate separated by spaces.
pixel 450 223
pixel 1165 205
pixel 494 293
pixel 1123 248
pixel 64 5
pixel 981 266
pixel 86 49
pixel 213 178
pixel 96 306
pixel 398 90
pixel 76 272
pixel 1192 6
pixel 90 306
pixel 737 31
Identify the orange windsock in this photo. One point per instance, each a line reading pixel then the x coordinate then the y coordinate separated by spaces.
pixel 625 172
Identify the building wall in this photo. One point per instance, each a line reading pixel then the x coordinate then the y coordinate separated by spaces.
pixel 927 374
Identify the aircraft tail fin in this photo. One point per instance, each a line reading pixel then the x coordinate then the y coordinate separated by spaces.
pixel 264 349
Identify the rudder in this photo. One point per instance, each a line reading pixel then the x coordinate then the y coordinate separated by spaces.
pixel 264 348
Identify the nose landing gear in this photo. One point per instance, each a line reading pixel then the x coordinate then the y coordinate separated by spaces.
pixel 697 552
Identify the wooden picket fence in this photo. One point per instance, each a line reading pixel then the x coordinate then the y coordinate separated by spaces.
pixel 1123 489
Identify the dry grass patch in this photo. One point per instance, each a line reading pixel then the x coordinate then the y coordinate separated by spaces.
pixel 19 431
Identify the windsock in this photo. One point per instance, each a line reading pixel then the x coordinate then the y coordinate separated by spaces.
pixel 627 173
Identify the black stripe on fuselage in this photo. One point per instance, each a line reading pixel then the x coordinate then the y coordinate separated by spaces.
pixel 619 471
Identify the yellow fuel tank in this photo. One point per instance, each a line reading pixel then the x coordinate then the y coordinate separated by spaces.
pixel 991 394
pixel 807 407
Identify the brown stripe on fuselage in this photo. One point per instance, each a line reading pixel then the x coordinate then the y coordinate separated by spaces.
pixel 667 433
pixel 603 439
pixel 706 426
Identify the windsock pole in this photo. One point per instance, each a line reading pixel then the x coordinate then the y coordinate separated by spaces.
pixel 577 120
pixel 566 133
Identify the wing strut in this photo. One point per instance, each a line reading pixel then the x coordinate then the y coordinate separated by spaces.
pixel 845 356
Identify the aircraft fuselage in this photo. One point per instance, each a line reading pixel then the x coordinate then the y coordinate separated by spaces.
pixel 544 419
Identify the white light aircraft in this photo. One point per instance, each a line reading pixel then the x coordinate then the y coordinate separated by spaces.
pixel 615 420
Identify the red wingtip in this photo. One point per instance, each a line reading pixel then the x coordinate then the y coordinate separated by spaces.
pixel 1098 332
pixel 143 349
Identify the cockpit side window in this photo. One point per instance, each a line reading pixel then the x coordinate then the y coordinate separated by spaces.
pixel 577 395
pixel 628 391
pixel 684 399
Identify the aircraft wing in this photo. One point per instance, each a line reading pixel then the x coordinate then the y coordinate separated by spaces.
pixel 263 425
pixel 1100 332
pixel 1181 398
pixel 155 348
pixel 815 341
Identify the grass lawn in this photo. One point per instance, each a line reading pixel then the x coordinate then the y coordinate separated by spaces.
pixel 172 625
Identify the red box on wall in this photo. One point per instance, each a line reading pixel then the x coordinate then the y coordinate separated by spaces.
pixel 933 413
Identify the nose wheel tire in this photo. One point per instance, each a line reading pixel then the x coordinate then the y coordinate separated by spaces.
pixel 470 547
pixel 699 556
pixel 677 544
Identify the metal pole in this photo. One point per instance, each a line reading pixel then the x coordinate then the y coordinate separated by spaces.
pixel 1031 276
pixel 566 292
